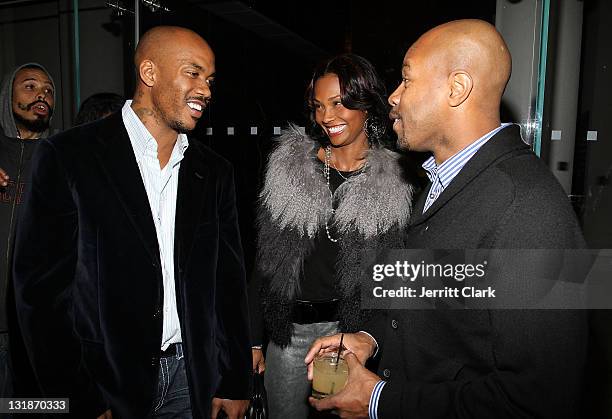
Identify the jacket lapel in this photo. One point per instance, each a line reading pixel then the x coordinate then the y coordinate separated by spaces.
pixel 417 211
pixel 116 156
pixel 506 141
pixel 192 186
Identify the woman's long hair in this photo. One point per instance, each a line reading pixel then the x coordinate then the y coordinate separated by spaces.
pixel 360 89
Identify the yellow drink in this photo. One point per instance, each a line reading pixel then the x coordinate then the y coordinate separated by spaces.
pixel 329 377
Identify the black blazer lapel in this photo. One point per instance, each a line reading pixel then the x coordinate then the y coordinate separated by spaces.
pixel 116 156
pixel 417 210
pixel 192 185
pixel 506 141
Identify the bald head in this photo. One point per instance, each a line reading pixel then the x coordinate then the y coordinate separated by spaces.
pixel 175 68
pixel 475 47
pixel 164 42
pixel 453 78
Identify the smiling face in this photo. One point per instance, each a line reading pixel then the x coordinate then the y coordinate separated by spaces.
pixel 183 81
pixel 33 101
pixel 343 126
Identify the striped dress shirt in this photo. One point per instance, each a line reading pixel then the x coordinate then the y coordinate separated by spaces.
pixel 440 177
pixel 161 186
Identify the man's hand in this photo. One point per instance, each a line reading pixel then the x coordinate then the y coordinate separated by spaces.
pixel 259 363
pixel 360 344
pixel 354 399
pixel 106 415
pixel 234 409
pixel 4 178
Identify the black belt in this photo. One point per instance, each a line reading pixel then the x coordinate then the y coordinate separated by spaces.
pixel 306 312
pixel 170 350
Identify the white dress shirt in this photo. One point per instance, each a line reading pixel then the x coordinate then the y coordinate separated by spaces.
pixel 161 186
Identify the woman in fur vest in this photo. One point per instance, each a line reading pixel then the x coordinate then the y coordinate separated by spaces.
pixel 325 198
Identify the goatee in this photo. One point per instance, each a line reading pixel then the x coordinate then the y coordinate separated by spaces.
pixel 180 127
pixel 36 125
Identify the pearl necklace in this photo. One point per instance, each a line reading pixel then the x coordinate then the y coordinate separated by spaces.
pixel 331 194
pixel 326 169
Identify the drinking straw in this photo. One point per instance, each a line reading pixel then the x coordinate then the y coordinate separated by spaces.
pixel 338 354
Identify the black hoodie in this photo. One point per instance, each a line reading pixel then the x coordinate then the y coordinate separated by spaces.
pixel 15 155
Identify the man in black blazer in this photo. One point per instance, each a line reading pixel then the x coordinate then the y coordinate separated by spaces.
pixel 129 273
pixel 487 191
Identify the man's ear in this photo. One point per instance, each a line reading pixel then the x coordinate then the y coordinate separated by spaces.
pixel 147 73
pixel 460 86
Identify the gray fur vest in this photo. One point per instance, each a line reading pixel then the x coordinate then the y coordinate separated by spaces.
pixel 371 212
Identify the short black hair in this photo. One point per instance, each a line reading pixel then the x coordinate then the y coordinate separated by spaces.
pixel 360 89
pixel 97 106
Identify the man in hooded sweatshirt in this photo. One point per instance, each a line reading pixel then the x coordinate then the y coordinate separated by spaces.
pixel 27 98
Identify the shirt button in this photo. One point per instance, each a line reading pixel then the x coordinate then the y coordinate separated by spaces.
pixel 157 313
pixel 394 324
pixel 386 373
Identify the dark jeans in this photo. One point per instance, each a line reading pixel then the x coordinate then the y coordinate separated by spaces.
pixel 172 399
pixel 6 374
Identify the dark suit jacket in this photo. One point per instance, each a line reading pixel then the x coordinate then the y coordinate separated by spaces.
pixel 483 364
pixel 88 281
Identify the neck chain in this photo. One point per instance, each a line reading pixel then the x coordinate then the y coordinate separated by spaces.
pixel 339 172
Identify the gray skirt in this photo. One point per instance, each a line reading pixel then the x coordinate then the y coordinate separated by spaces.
pixel 286 380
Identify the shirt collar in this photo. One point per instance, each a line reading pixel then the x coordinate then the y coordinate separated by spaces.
pixel 142 140
pixel 447 171
pixel 179 149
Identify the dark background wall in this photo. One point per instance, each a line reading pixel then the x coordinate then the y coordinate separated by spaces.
pixel 593 159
